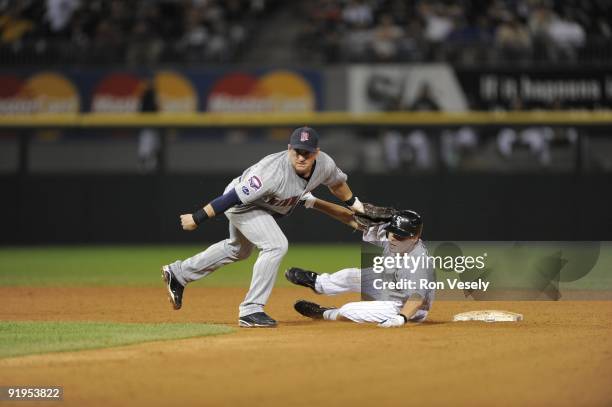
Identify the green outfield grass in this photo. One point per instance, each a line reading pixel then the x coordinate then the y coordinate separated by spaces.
pixel 140 265
pixel 29 337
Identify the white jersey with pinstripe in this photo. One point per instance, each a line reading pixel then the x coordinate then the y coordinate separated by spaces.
pixel 273 184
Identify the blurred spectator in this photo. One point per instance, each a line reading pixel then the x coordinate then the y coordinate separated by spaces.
pixel 333 30
pixel 149 139
pixel 411 151
pixel 418 141
pixel 357 13
pixel 457 145
pixel 59 13
pixel 535 139
pixel 386 38
pixel 414 149
pixel 139 32
pixel 144 47
pixel 357 43
pixel 13 25
pixel 468 31
pixel 438 24
pixel 195 38
pixel 413 45
pixel 106 44
pixel 568 37
pixel 216 49
pixel 513 40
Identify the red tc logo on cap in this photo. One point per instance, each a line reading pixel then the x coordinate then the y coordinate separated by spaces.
pixel 304 136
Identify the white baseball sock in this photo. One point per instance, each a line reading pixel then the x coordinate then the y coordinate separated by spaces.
pixel 331 314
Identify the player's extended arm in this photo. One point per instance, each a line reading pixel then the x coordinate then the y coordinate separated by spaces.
pixel 343 192
pixel 337 212
pixel 190 221
pixel 410 308
pixel 370 211
pixel 412 305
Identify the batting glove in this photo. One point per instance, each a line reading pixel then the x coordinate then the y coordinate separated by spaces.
pixel 309 200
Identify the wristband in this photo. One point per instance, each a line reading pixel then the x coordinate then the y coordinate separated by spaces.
pixel 405 318
pixel 350 201
pixel 199 216
pixel 356 206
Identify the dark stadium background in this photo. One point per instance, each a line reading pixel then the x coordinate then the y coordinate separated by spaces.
pixel 68 177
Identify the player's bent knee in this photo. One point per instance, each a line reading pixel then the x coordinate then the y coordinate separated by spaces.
pixel 284 246
pixel 243 253
pixel 239 252
pixel 279 247
pixel 366 311
pixel 348 308
pixel 347 312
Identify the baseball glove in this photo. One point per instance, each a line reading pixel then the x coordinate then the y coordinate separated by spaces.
pixel 373 215
pixel 377 213
pixel 363 222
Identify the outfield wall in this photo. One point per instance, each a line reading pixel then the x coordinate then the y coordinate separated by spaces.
pixel 354 87
pixel 41 209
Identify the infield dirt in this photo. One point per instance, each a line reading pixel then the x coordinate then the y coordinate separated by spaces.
pixel 560 354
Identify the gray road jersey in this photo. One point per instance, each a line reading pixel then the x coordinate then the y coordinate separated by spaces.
pixel 272 183
pixel 377 235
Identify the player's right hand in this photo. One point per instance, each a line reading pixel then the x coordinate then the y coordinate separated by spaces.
pixel 393 322
pixel 309 200
pixel 187 222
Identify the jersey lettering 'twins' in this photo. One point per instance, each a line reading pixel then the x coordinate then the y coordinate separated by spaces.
pixel 284 202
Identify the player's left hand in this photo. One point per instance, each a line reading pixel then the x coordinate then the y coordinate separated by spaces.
pixel 187 222
pixel 393 322
pixel 378 213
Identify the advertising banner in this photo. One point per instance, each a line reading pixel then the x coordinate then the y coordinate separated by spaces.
pixel 43 92
pixel 122 91
pixel 404 87
pixel 417 87
pixel 525 89
pixel 275 91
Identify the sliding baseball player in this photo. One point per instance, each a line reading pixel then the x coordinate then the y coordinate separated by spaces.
pixel 388 307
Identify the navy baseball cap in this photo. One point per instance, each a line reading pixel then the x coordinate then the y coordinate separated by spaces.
pixel 304 138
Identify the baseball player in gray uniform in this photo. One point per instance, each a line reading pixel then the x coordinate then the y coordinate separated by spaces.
pixel 388 307
pixel 265 191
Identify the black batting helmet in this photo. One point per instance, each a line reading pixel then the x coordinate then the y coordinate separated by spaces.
pixel 405 223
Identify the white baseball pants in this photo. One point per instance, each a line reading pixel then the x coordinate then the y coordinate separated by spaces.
pixel 349 280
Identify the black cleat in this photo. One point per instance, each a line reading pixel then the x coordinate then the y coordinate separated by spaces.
pixel 302 277
pixel 257 320
pixel 310 309
pixel 175 289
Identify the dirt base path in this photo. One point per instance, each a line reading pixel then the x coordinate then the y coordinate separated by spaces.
pixel 561 354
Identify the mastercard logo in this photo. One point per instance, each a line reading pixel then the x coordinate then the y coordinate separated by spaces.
pixel 118 93
pixel 277 91
pixel 175 93
pixel 45 92
pixel 122 93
